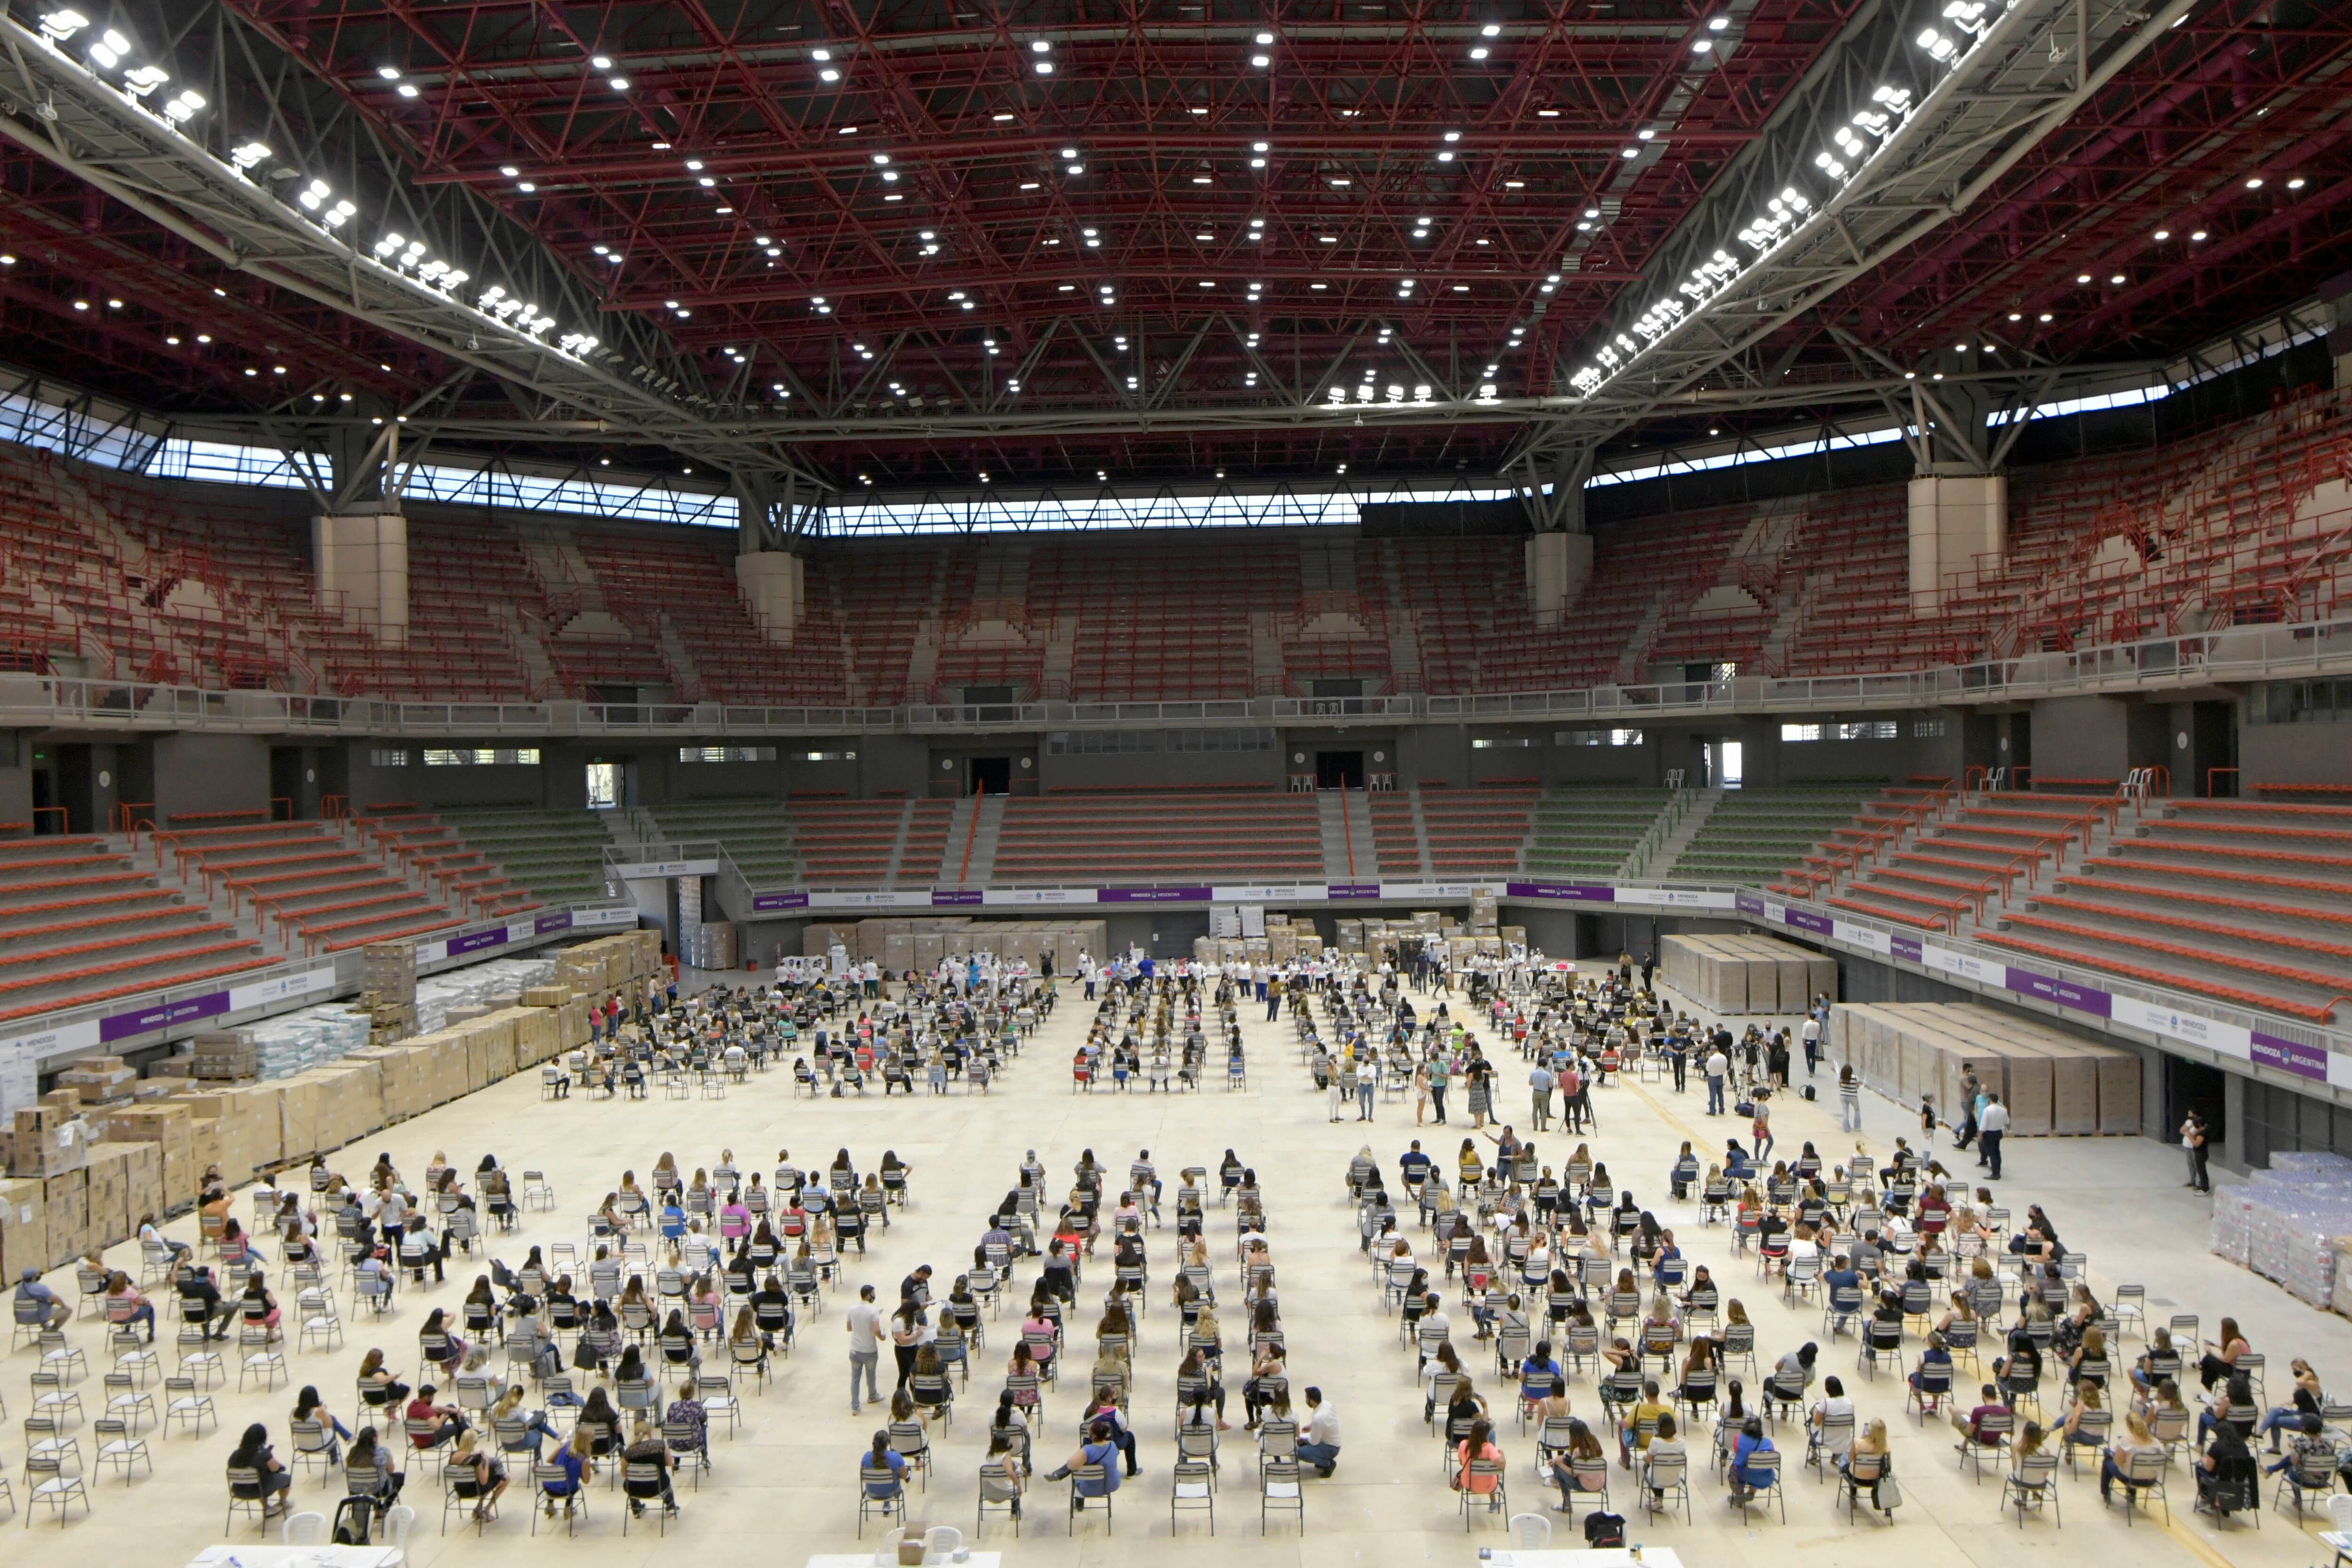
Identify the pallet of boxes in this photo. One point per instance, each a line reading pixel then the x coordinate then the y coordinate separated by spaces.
pixel 388 991
pixel 924 942
pixel 610 963
pixel 2054 1083
pixel 1737 973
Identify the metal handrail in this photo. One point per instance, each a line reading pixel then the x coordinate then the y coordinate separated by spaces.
pixel 2235 654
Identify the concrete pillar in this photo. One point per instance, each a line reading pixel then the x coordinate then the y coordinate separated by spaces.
pixel 1559 567
pixel 361 558
pixel 775 586
pixel 1956 521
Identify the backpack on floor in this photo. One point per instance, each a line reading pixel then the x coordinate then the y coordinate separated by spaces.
pixel 1809 1091
pixel 1604 1529
pixel 354 1521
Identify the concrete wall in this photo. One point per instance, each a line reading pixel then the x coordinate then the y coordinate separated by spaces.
pixel 1425 752
pixel 210 772
pixel 2082 738
pixel 893 765
pixel 2291 754
pixel 17 749
pixel 1256 770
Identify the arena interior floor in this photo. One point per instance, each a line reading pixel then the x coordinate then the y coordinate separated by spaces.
pixel 784 1488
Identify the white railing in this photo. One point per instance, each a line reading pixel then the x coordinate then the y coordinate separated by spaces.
pixel 2237 654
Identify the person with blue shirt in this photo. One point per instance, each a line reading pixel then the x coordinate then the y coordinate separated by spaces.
pixel 1538 1372
pixel 1751 1442
pixel 573 1459
pixel 1414 1165
pixel 884 1458
pixel 1099 1450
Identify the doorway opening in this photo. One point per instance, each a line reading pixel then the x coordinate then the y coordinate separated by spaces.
pixel 1339 770
pixel 991 775
pixel 2200 1086
pixel 603 786
pixel 1724 761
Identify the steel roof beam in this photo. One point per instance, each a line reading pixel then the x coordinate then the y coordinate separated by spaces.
pixel 2040 62
pixel 57 109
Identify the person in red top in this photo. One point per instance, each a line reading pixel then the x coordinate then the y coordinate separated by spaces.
pixel 1971 1425
pixel 451 1420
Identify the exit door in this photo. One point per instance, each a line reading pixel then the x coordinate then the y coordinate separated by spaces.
pixel 1725 764
pixel 992 775
pixel 608 785
pixel 1339 770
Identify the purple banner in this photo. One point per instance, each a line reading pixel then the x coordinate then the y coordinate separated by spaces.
pixel 1748 903
pixel 1352 890
pixel 1907 948
pixel 1562 892
pixel 1806 920
pixel 561 920
pixel 2066 993
pixel 948 896
pixel 1152 895
pixel 779 901
pixel 2290 1056
pixel 476 943
pixel 122 1025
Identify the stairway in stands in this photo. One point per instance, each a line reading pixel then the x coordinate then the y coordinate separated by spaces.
pixel 315 884
pixel 419 841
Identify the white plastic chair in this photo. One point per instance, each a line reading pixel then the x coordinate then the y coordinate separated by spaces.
pixel 1530 1532
pixel 304 1530
pixel 941 1542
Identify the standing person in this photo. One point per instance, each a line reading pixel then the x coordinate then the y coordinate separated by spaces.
pixel 2192 1141
pixel 1649 966
pixel 1717 1066
pixel 1812 1037
pixel 1272 991
pixel 1320 1447
pixel 1989 1127
pixel 866 1335
pixel 1539 1083
pixel 1970 1088
pixel 1760 1132
pixel 1678 1052
pixel 1368 1080
pixel 1440 1075
pixel 1848 1100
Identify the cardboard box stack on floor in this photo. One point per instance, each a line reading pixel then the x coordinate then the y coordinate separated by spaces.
pixel 924 942
pixel 1739 974
pixel 155 1151
pixel 23 1225
pixel 2052 1082
pixel 609 963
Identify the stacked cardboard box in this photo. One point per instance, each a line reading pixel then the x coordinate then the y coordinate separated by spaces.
pixel 924 942
pixel 168 1128
pixel 244 1126
pixel 48 1140
pixel 225 1057
pixel 143 1194
pixel 2051 1081
pixel 108 1202
pixel 66 1199
pixel 1735 974
pixel 24 1226
pixel 388 990
pixel 609 963
pixel 97 1079
pixel 546 995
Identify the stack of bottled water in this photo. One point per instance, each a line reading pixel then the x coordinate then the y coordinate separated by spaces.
pixel 2282 1222
pixel 475 985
